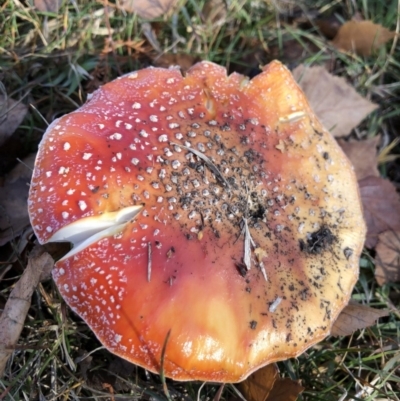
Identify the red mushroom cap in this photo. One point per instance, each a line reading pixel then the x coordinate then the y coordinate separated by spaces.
pixel 213 207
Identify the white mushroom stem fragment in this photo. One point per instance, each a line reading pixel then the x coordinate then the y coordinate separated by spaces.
pixel 86 231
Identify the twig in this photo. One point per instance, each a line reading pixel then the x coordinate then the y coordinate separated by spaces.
pixel 208 162
pixel 13 317
pixel 162 375
pixel 149 255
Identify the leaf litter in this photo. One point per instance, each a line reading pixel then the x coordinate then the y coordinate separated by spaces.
pixel 362 37
pixel 354 317
pixel 265 384
pixel 336 103
pixel 363 155
pixel 381 205
pixel 12 112
pixel 387 259
pixel 13 200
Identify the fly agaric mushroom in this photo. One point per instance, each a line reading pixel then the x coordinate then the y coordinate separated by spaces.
pixel 211 207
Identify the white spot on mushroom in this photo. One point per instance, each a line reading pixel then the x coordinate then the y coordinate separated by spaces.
pixel 117 136
pixel 163 138
pixel 49 229
pixel 48 173
pixel 65 215
pixel 71 191
pixel 135 161
pixel 86 156
pixel 63 170
pixel 136 105
pixel 82 205
pixel 175 164
pixel 153 118
pixel 67 146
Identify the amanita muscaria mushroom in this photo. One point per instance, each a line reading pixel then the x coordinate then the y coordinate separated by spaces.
pixel 211 207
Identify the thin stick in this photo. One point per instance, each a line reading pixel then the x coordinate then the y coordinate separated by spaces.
pixel 149 256
pixel 162 375
pixel 208 162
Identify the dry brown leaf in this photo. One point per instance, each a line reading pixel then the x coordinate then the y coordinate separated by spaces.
pixel 17 306
pixel 363 155
pixel 356 317
pixel 47 5
pixel 148 9
pixel 215 12
pixel 260 383
pixel 336 103
pixel 387 266
pixel 285 390
pixel 13 200
pixel 11 115
pixel 381 205
pixel 362 37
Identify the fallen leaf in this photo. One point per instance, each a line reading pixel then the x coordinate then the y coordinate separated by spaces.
pixel 11 115
pixel 381 205
pixel 13 200
pixel 387 259
pixel 51 6
pixel 356 317
pixel 363 155
pixel 285 390
pixel 336 103
pixel 148 9
pixel 17 306
pixel 361 37
pixel 185 61
pixel 215 12
pixel 260 383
